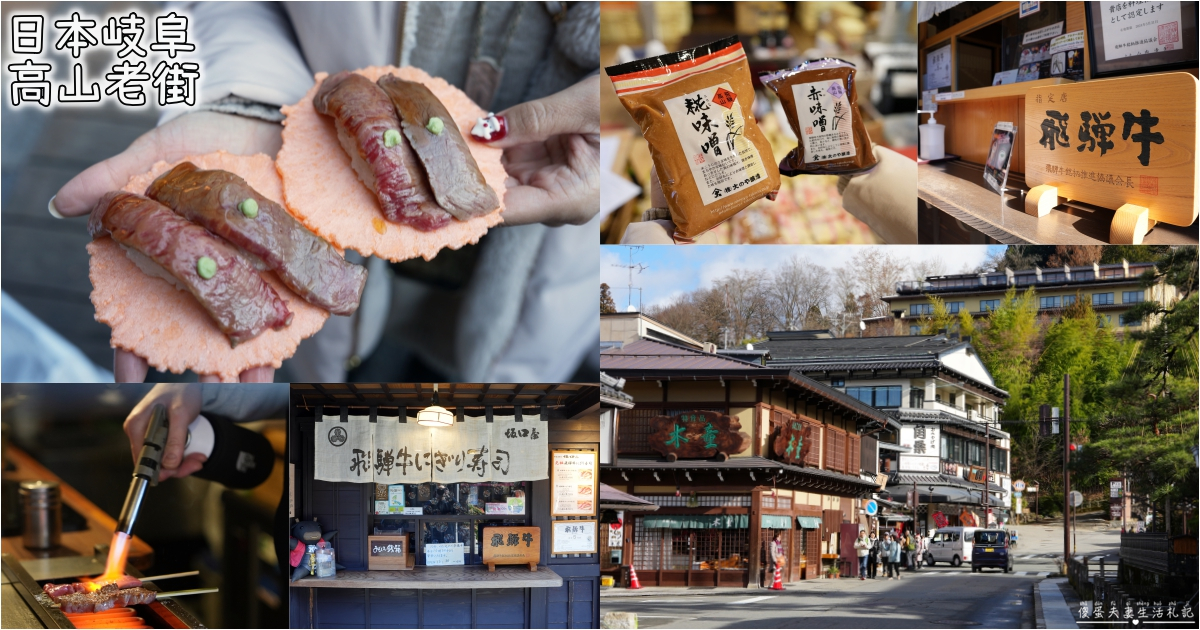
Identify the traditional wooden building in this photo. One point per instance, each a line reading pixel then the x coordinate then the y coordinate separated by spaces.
pixel 734 452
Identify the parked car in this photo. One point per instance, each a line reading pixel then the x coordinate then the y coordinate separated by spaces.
pixel 991 550
pixel 952 545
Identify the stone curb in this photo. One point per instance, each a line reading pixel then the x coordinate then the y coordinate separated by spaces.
pixel 1039 619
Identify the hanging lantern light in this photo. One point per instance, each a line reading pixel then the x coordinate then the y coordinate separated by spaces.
pixel 435 415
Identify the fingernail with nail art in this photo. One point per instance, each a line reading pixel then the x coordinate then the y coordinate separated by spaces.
pixel 489 128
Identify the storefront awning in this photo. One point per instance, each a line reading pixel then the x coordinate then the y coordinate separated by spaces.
pixel 696 521
pixel 809 522
pixel 775 521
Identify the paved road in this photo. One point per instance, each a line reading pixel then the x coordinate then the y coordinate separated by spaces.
pixel 932 597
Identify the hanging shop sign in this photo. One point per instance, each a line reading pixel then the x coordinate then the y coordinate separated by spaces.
pixel 512 545
pixel 573 488
pixel 568 537
pixel 616 531
pixel 940 520
pixel 696 434
pixel 388 553
pixel 793 441
pixel 1126 144
pixel 391 452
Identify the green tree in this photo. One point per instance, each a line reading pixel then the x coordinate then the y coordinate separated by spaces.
pixel 607 305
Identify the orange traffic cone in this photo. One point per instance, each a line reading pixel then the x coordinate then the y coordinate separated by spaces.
pixel 633 581
pixel 778 585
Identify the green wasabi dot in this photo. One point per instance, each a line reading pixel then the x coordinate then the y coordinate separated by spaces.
pixel 249 207
pixel 436 126
pixel 391 138
pixel 206 267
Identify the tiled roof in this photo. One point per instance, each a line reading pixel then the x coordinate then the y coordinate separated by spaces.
pixel 785 345
pixel 650 354
pixel 941 417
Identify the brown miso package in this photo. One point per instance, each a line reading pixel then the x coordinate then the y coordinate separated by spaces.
pixel 821 101
pixel 695 108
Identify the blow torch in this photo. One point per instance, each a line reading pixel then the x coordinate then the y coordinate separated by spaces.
pixel 236 457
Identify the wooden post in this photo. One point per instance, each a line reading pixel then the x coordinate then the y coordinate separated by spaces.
pixel 1066 420
pixel 755 526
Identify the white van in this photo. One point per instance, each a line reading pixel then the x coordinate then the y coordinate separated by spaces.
pixel 952 545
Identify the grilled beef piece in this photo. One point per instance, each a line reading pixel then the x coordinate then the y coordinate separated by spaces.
pixel 109 596
pixel 305 262
pixel 58 590
pixel 363 115
pixel 166 245
pixel 454 176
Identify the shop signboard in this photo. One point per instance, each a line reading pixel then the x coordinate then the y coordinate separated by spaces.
pixel 923 439
pixel 616 531
pixel 940 520
pixel 388 553
pixel 568 537
pixel 573 483
pixel 1127 144
pixel 918 463
pixel 975 474
pixel 512 545
pixel 696 434
pixel 793 441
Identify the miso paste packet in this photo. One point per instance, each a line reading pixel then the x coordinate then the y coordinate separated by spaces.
pixel 821 101
pixel 695 108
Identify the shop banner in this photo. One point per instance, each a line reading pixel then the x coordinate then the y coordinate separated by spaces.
pixel 344 449
pixel 524 447
pixel 403 452
pixel 463 452
pixel 390 452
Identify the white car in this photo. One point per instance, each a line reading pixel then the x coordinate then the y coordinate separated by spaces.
pixel 952 545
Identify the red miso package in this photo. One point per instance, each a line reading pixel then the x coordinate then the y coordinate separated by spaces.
pixel 695 108
pixel 821 101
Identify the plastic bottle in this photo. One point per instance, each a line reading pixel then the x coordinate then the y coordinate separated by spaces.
pixel 933 140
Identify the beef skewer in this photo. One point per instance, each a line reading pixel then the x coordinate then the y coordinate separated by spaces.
pixel 125 581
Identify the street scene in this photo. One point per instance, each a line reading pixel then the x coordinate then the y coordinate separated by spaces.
pixel 879 437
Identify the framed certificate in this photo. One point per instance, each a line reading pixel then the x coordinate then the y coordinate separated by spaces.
pixel 1132 38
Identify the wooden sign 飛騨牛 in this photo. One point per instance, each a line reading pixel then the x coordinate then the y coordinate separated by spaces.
pixel 696 434
pixel 512 545
pixel 1128 144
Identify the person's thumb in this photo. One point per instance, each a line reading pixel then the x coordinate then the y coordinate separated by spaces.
pixel 77 196
pixel 573 110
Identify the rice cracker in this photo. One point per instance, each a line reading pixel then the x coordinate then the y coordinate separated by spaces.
pixel 168 327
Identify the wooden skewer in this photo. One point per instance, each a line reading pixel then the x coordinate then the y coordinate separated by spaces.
pixel 192 591
pixel 155 578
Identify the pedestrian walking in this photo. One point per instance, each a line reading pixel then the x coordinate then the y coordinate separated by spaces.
pixel 862 547
pixel 777 557
pixel 910 548
pixel 920 552
pixel 873 558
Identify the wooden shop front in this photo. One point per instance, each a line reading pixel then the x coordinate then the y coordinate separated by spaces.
pixel 415 550
pixel 733 454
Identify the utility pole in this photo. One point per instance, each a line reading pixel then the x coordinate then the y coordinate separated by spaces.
pixel 1066 470
pixel 987 464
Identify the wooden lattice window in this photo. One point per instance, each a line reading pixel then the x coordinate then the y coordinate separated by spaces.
pixel 854 452
pixel 835 458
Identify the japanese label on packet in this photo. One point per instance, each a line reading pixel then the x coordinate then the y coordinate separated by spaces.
pixel 710 126
pixel 826 120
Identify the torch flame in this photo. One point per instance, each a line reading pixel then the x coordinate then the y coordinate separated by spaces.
pixel 118 552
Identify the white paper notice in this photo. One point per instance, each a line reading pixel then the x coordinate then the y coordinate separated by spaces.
pixel 444 554
pixel 573 483
pixel 343 449
pixel 1070 41
pixel 574 537
pixel 1046 32
pixel 1140 28
pixel 937 68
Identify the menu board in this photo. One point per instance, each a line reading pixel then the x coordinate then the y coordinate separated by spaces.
pixel 573 537
pixel 444 554
pixel 573 483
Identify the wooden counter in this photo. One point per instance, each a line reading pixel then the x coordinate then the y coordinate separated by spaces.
pixel 100 526
pixel 460 577
pixel 957 188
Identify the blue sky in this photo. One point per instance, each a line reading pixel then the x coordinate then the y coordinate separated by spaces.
pixel 674 270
